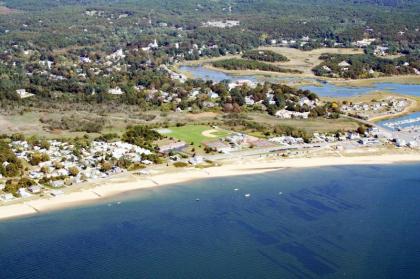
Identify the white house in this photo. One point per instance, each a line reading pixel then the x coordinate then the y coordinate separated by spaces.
pixel 213 95
pixel 23 93
pixel 22 192
pixel 196 160
pixel 7 197
pixel 249 100
pixel 343 64
pixel 285 114
pixel 34 189
pixel 115 91
pixel 117 55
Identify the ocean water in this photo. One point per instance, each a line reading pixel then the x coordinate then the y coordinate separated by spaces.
pixel 333 222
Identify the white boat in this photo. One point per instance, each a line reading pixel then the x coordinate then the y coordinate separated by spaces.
pixel 247 195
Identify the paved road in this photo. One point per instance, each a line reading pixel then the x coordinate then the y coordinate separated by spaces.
pixel 264 151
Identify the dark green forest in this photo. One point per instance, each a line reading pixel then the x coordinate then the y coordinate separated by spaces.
pixel 63 49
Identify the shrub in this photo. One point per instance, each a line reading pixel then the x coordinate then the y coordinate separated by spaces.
pixel 73 171
pixel 180 164
pixel 106 166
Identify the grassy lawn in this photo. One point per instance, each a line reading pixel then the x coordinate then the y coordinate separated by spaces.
pixel 194 133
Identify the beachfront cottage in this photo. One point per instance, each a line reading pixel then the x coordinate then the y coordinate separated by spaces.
pixel 7 197
pixel 400 142
pixel 34 189
pixel 57 183
pixel 196 160
pixel 412 144
pixel 22 192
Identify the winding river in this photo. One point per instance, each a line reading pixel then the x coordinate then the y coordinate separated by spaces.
pixel 324 89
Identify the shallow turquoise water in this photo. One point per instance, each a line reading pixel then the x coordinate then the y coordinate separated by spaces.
pixel 335 222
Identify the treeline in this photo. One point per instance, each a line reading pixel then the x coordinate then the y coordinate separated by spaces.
pixel 326 22
pixel 265 55
pixel 10 165
pixel 241 64
pixel 359 66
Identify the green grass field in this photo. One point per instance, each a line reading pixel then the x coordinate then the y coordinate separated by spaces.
pixel 194 133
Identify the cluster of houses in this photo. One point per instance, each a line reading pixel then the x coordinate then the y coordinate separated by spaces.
pixel 211 99
pixel 221 23
pixel 373 136
pixel 287 114
pixel 391 105
pixel 364 43
pixel 236 142
pixel 63 167
pixel 370 137
pixel 303 102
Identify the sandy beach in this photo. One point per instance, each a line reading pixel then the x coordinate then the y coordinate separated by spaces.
pixel 91 192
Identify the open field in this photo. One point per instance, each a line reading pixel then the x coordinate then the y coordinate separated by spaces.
pixel 196 134
pixel 28 123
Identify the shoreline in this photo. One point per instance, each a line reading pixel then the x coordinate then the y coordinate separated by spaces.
pixel 113 186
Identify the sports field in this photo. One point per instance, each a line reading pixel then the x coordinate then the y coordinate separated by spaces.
pixel 196 134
